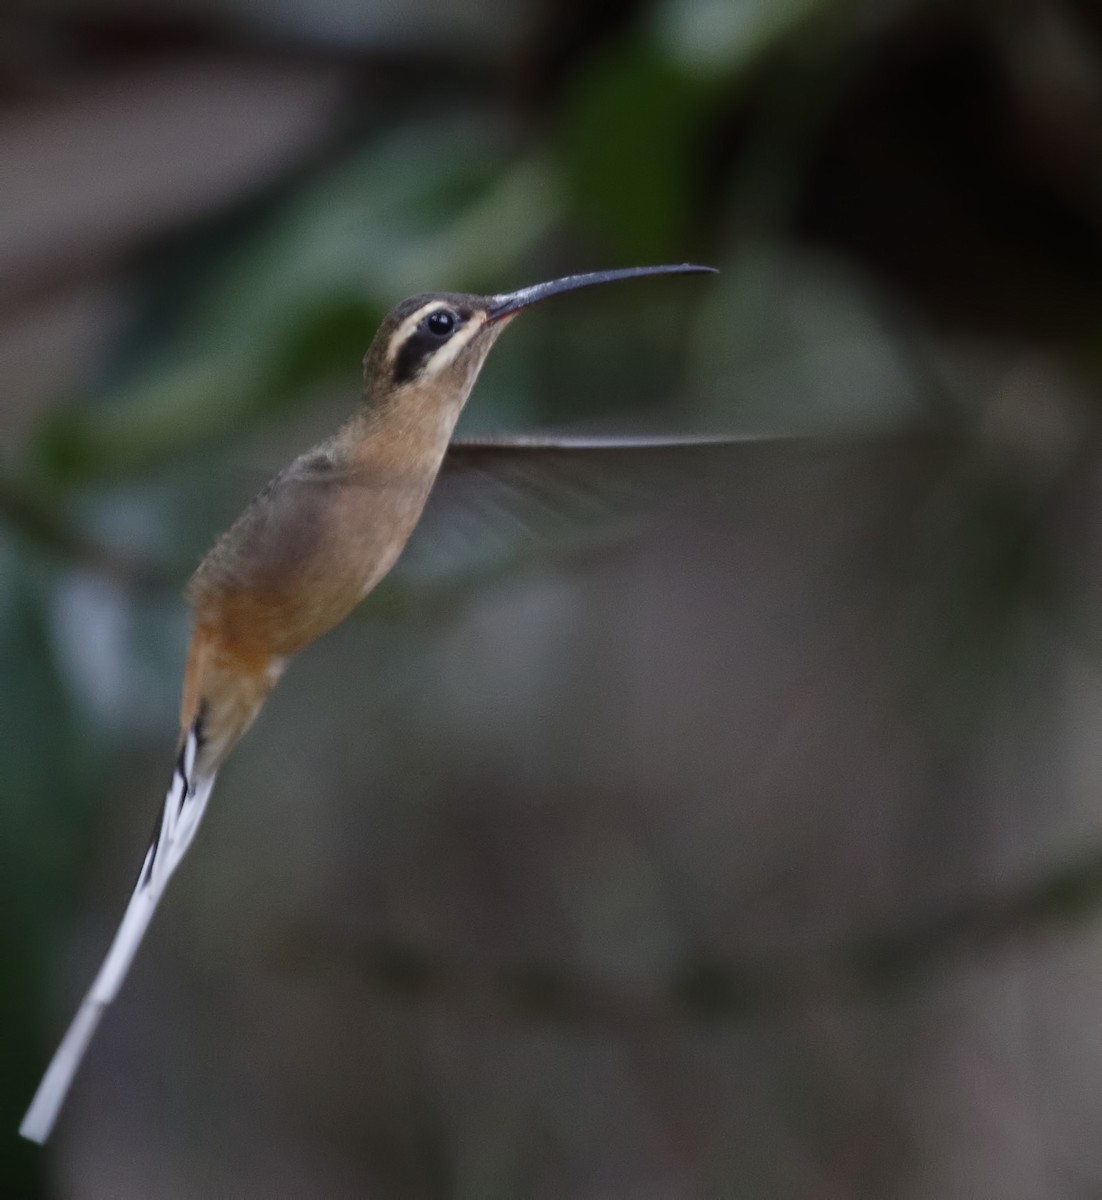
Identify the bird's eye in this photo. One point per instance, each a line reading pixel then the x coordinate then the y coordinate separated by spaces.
pixel 441 322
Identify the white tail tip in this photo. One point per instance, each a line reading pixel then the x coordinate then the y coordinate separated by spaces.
pixel 180 816
pixel 40 1118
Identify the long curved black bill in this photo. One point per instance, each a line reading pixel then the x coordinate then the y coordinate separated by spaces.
pixel 511 302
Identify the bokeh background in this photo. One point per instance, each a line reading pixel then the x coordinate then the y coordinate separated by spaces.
pixel 756 856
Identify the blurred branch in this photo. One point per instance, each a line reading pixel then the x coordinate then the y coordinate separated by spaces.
pixel 704 989
pixel 1071 892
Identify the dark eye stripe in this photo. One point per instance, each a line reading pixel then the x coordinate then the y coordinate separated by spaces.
pixel 420 345
pixel 411 357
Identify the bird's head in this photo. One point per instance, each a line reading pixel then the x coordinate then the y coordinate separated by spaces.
pixel 434 345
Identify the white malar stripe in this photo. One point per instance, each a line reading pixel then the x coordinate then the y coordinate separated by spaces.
pixel 451 349
pixel 184 806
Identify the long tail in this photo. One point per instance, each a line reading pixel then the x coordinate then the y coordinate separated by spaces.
pixel 184 806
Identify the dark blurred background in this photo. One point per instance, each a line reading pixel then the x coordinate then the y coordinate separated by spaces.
pixel 754 857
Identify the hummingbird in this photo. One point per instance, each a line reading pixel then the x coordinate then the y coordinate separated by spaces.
pixel 301 556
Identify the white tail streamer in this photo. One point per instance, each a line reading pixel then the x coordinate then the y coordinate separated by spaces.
pixel 184 806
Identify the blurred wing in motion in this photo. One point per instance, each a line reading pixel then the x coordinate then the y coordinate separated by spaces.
pixel 500 502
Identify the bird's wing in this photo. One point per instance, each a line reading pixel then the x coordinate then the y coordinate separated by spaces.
pixel 501 500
